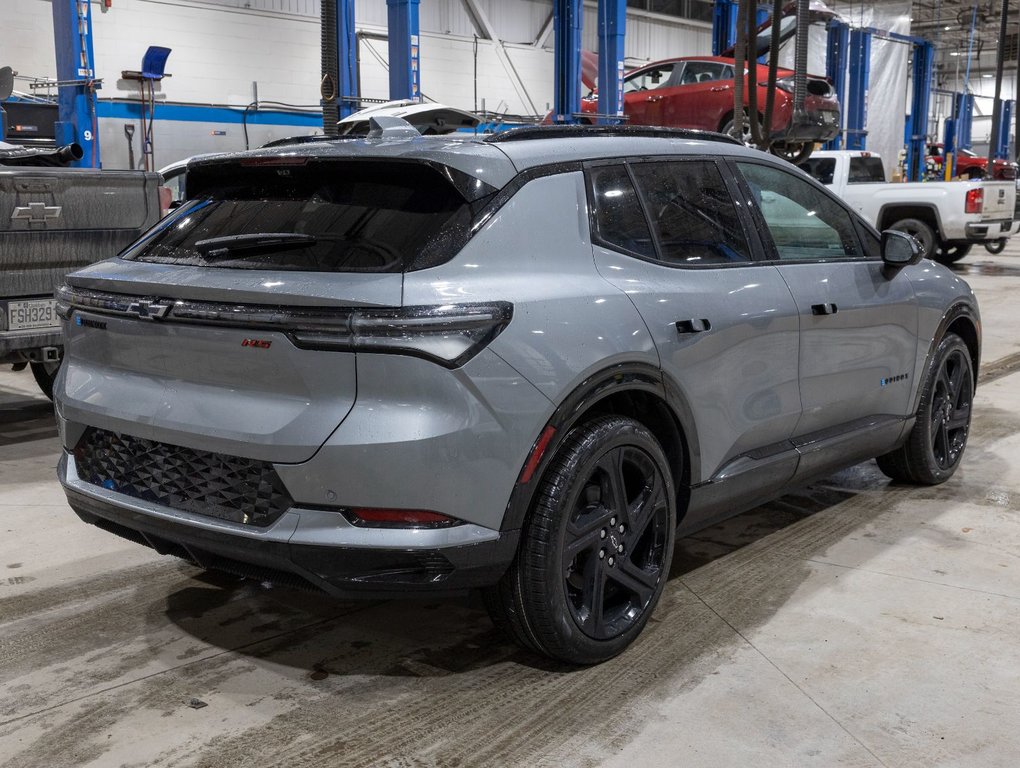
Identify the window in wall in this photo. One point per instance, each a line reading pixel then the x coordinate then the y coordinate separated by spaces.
pixel 692 212
pixel 805 222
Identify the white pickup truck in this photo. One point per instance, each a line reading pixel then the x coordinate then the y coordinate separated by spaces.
pixel 946 217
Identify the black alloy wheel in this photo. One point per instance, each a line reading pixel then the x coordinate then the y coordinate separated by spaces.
pixel 934 448
pixel 950 409
pixel 615 543
pixel 596 547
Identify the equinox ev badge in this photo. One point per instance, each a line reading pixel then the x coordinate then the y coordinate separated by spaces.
pixel 148 310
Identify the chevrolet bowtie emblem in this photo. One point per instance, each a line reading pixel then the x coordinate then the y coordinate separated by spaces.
pixel 148 310
pixel 36 213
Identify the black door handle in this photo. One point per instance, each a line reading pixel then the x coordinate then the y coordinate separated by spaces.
pixel 694 325
pixel 824 309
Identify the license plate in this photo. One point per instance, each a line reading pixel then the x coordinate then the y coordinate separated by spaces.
pixel 36 313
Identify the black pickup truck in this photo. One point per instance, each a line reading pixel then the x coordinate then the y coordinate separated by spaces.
pixel 54 220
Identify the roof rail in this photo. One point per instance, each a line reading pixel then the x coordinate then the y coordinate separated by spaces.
pixel 579 131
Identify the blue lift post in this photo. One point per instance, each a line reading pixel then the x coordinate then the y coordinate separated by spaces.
pixel 347 95
pixel 1005 125
pixel 76 96
pixel 724 26
pixel 963 112
pixel 567 20
pixel 835 67
pixel 612 28
pixel 917 122
pixel 402 41
pixel 857 98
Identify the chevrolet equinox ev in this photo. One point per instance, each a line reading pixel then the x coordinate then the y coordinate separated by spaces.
pixel 524 363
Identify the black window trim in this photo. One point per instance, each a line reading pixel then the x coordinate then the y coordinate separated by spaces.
pixel 765 234
pixel 756 253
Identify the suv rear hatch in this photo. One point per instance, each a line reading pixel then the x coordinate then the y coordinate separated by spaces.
pixel 220 329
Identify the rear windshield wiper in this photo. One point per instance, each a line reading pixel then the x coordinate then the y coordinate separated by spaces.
pixel 217 247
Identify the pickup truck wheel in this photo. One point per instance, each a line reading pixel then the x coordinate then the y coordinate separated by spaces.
pixel 936 443
pixel 45 374
pixel 921 232
pixel 950 254
pixel 596 548
pixel 996 246
pixel 793 153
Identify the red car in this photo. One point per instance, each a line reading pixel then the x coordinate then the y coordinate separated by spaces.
pixel 697 92
pixel 970 164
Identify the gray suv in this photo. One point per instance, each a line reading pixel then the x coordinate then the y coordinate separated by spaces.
pixel 524 363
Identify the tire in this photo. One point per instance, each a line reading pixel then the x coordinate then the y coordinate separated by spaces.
pixel 937 441
pixel 745 134
pixel 793 153
pixel 996 246
pixel 950 254
pixel 45 374
pixel 921 232
pixel 579 589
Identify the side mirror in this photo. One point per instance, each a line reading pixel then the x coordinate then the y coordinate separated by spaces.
pixel 900 249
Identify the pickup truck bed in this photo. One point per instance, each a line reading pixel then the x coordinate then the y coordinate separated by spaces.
pixel 946 217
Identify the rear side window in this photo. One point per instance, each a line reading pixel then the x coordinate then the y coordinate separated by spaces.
pixel 866 170
pixel 316 216
pixel 822 169
pixel 692 213
pixel 618 216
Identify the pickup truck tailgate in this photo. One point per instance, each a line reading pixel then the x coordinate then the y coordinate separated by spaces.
pixel 55 220
pixel 1000 197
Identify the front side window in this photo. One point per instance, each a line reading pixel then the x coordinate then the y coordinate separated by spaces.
pixel 618 217
pixel 692 213
pixel 805 223
pixel 648 79
pixel 704 72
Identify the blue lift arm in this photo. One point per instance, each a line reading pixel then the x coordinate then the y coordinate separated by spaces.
pixel 567 20
pixel 76 95
pixel 612 27
pixel 402 41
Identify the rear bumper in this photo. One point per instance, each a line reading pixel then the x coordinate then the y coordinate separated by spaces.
pixel 26 346
pixel 311 548
pixel 818 123
pixel 988 230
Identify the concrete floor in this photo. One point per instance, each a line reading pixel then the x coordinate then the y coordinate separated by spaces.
pixel 853 623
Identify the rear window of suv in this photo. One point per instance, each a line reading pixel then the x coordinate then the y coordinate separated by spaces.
pixel 313 216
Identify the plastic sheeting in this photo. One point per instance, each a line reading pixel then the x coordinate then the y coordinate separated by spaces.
pixel 887 88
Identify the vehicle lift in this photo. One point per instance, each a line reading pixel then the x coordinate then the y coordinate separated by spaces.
pixel 76 81
pixel 568 17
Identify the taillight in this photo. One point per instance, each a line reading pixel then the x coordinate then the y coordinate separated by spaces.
pixel 398 518
pixel 975 200
pixel 450 334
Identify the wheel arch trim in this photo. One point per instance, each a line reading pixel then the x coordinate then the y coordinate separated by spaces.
pixel 960 311
pixel 614 380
